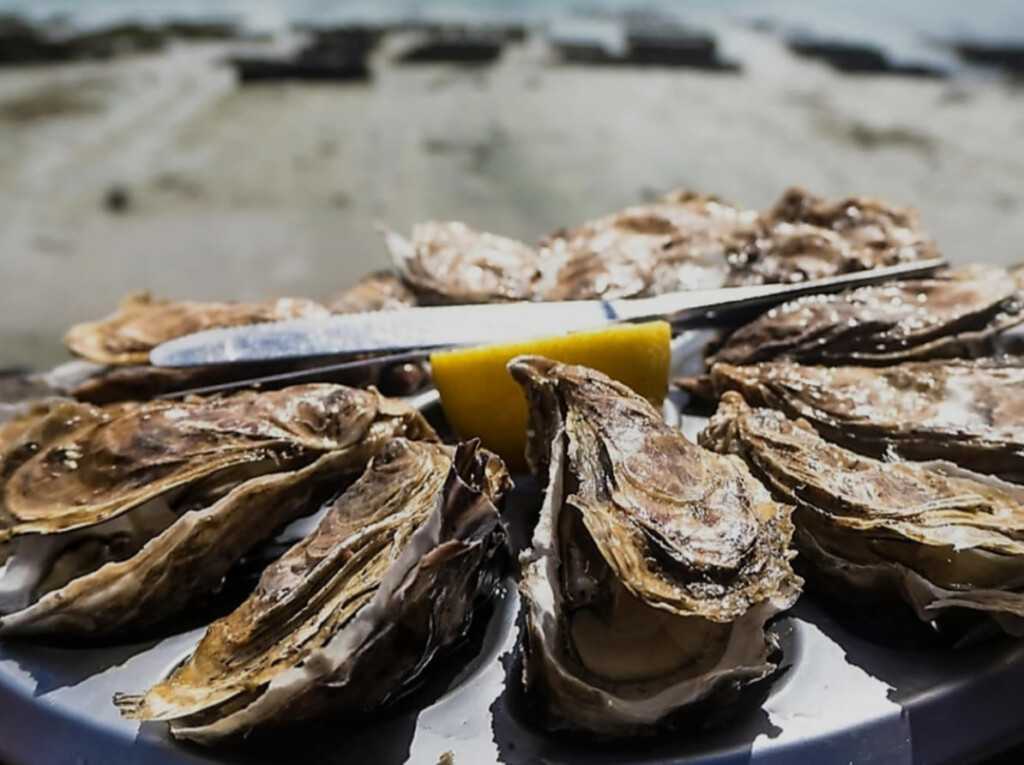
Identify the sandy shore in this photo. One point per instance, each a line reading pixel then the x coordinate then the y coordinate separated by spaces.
pixel 273 190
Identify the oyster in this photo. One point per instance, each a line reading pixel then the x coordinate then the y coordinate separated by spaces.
pixel 376 292
pixel 676 243
pixel 878 531
pixel 805 237
pixel 354 613
pixel 121 516
pixel 141 323
pixel 655 563
pixel 957 314
pixel 449 262
pixel 682 241
pixel 965 411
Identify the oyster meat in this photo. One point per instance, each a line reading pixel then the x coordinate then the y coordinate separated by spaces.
pixel 936 537
pixel 449 262
pixel 959 313
pixel 121 516
pixel 655 562
pixel 970 412
pixel 354 613
pixel 142 322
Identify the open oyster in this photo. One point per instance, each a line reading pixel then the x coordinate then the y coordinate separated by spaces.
pixel 449 262
pixel 121 516
pixel 141 323
pixel 655 563
pixel 354 613
pixel 877 531
pixel 967 412
pixel 959 313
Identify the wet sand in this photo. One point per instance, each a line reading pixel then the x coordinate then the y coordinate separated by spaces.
pixel 242 193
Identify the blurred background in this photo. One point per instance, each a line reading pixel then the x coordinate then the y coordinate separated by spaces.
pixel 241 150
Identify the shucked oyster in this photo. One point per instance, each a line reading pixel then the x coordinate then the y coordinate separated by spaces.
pixel 876 530
pixel 350 616
pixel 655 563
pixel 121 516
pixel 141 323
pixel 956 314
pixel 449 262
pixel 967 412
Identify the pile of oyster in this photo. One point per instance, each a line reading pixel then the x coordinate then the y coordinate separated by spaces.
pixel 890 417
pixel 115 518
pixel 123 518
pixel 871 438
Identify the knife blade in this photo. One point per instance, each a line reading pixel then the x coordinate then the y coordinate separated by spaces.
pixel 457 325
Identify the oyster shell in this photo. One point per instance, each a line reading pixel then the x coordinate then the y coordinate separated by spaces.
pixel 141 323
pixel 965 411
pixel 682 241
pixel 449 262
pixel 378 291
pixel 676 243
pixel 878 531
pixel 122 342
pixel 350 616
pixel 957 314
pixel 120 516
pixel 806 237
pixel 655 563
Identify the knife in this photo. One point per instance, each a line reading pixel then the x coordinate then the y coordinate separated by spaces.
pixel 457 325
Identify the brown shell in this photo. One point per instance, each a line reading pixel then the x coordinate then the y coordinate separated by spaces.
pixel 141 323
pixel 248 669
pixel 103 462
pixel 681 527
pixel 23 437
pixel 654 565
pixel 379 291
pixel 676 243
pixel 901 521
pixel 449 262
pixel 187 560
pixel 806 237
pixel 957 314
pixel 967 412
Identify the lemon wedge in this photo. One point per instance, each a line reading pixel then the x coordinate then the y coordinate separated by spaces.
pixel 481 400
